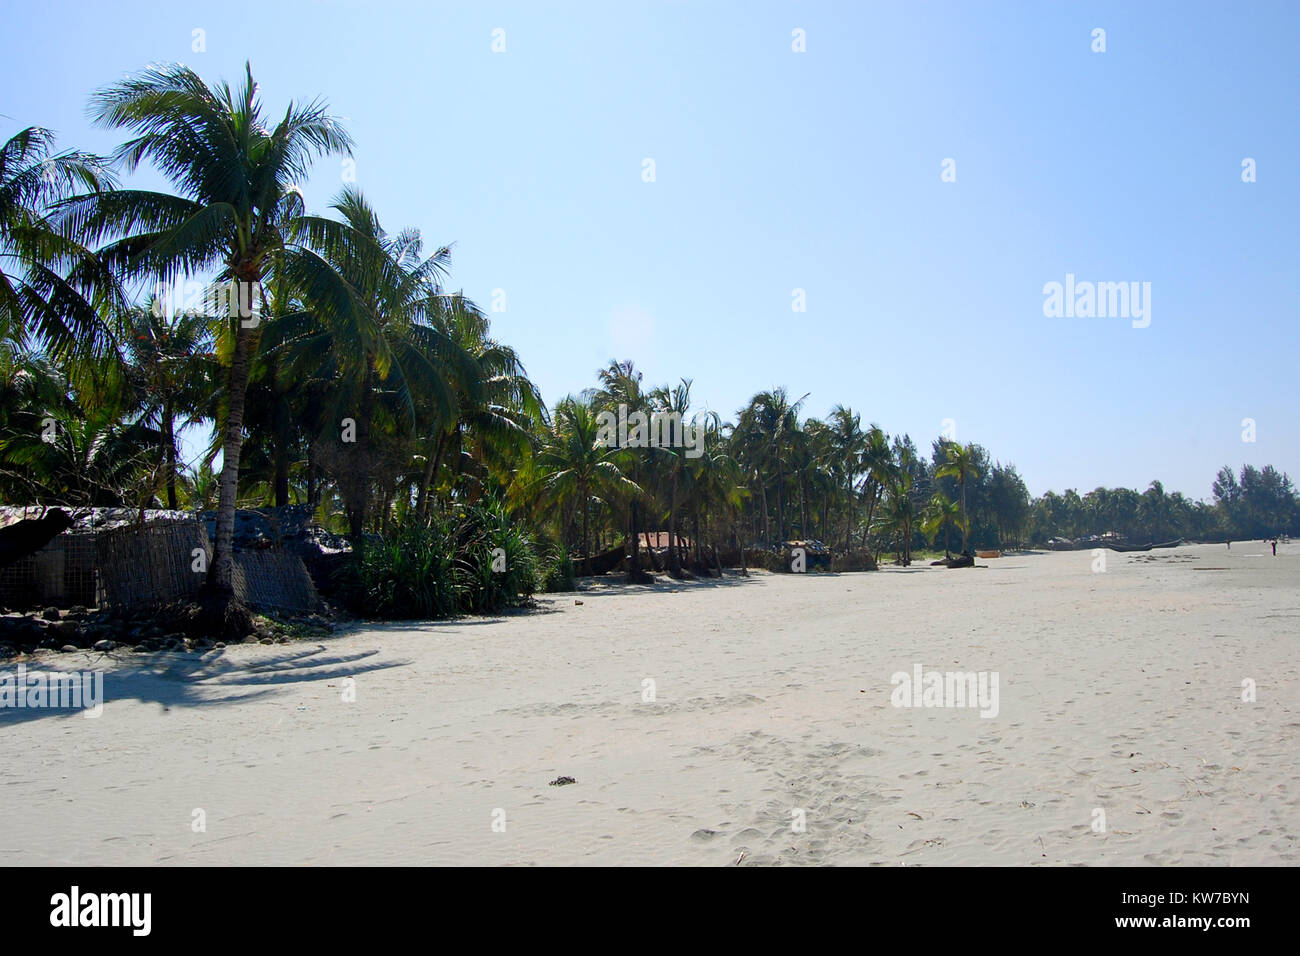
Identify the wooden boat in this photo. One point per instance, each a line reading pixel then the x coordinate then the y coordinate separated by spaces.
pixel 1168 544
pixel 988 554
pixel 1129 547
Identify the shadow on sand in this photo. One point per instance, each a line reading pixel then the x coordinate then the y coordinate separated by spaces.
pixel 191 680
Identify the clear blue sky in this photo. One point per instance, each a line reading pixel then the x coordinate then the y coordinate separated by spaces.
pixel 820 170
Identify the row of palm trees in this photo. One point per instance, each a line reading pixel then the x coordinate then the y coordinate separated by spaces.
pixel 361 385
pixel 361 382
pixel 765 478
pixel 356 349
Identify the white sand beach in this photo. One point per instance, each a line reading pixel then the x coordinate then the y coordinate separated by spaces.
pixel 1119 691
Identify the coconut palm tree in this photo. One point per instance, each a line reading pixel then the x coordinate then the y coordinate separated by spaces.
pixel 875 466
pixel 235 212
pixel 960 464
pixel 848 442
pixel 496 411
pixel 620 386
pixel 574 471
pixel 767 426
pixel 675 401
pixel 716 489
pixel 900 511
pixel 52 289
pixel 169 374
pixel 940 514
pixel 394 356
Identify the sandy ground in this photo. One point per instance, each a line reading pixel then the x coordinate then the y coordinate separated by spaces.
pixel 1119 691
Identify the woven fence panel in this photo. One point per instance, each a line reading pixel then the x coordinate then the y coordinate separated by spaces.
pixel 273 579
pixel 153 565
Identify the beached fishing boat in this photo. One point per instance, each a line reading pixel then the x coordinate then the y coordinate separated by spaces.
pixel 1168 544
pixel 1129 547
pixel 988 554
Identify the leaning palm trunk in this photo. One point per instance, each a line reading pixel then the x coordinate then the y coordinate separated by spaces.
pixel 674 557
pixel 586 529
pixel 634 566
pixel 965 525
pixel 428 489
pixel 361 488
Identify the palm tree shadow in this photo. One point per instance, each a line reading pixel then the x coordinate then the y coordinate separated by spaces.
pixel 214 679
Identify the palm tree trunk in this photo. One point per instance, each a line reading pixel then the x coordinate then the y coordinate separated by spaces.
pixel 586 536
pixel 965 525
pixel 634 562
pixel 871 510
pixel 674 557
pixel 361 463
pixel 169 438
pixel 805 522
pixel 221 577
pixel 431 472
pixel 312 490
pixel 780 505
pixel 424 485
pixel 848 519
pixel 283 435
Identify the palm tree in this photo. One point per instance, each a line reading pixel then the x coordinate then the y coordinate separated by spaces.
pixel 91 455
pixel 900 512
pixel 51 287
pixel 236 211
pixel 960 464
pixel 168 374
pixel 393 354
pixel 497 409
pixel 675 401
pixel 769 422
pixel 939 513
pixel 620 385
pixel 717 489
pixel 1155 510
pixel 849 443
pixel 574 470
pixel 875 466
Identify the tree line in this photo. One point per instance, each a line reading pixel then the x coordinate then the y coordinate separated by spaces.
pixel 360 384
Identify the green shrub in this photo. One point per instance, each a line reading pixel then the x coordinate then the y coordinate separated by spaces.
pixel 444 567
pixel 407 573
pixel 482 530
pixel 557 571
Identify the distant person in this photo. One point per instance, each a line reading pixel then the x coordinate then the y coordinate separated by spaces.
pixel 1274 542
pixel 1229 545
